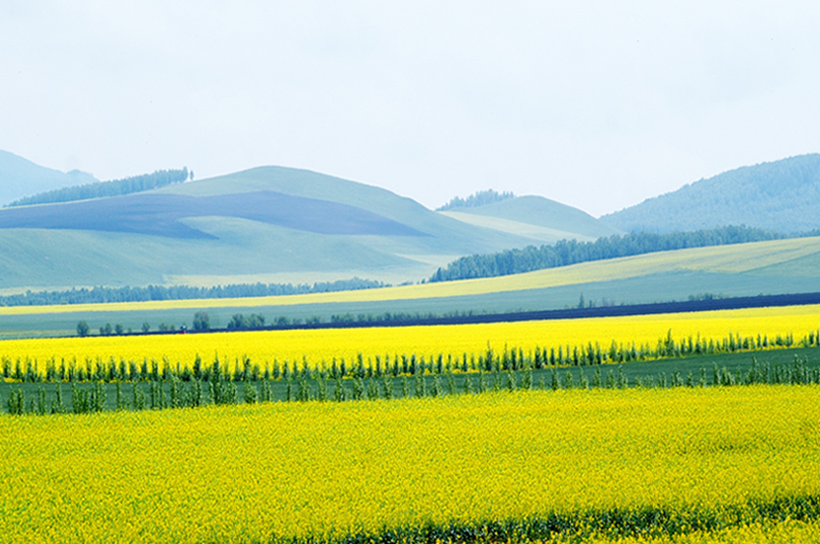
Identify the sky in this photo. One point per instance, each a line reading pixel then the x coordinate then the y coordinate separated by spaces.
pixel 598 105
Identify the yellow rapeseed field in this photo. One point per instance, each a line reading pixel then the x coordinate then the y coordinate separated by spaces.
pixel 792 532
pixel 255 472
pixel 317 346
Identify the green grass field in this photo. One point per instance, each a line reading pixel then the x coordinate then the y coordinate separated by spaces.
pixel 538 234
pixel 778 267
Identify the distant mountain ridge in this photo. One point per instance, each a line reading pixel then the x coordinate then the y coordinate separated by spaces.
pixel 283 225
pixel 781 196
pixel 100 189
pixel 20 177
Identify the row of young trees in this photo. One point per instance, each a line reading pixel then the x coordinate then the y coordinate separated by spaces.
pixel 375 367
pixel 202 322
pixel 216 390
pixel 84 329
pixel 117 187
pixel 567 252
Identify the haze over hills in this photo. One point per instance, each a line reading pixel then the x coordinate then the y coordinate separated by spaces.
pixel 285 225
pixel 268 224
pixel 782 196
pixel 20 177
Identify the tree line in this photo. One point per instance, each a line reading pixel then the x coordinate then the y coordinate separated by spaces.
pixel 585 309
pixel 155 386
pixel 29 370
pixel 567 252
pixel 102 294
pixel 117 187
pixel 481 198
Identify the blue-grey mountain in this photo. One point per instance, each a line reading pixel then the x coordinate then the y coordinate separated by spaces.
pixel 20 177
pixel 781 196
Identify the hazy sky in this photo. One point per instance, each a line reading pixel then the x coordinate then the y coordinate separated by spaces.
pixel 595 104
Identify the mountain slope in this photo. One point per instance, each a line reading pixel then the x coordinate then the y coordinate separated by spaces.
pixel 782 196
pixel 267 224
pixel 20 177
pixel 162 214
pixel 445 235
pixel 542 219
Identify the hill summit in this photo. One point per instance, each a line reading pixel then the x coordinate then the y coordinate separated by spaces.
pixel 781 196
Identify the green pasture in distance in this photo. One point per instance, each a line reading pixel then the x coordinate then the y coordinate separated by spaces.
pixel 40 259
pixel 655 371
pixel 662 287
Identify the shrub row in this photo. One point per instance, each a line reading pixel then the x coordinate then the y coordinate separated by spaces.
pixel 29 370
pixel 157 395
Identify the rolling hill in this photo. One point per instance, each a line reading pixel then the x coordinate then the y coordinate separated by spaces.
pixel 20 177
pixel 541 219
pixel 268 224
pixel 770 268
pixel 781 196
pixel 285 225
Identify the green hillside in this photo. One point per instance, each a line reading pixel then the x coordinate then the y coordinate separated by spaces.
pixel 447 236
pixel 538 218
pixel 267 224
pixel 285 225
pixel 770 268
pixel 20 178
pixel 781 196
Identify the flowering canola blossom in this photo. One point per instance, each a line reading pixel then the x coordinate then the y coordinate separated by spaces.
pixel 322 345
pixel 280 470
